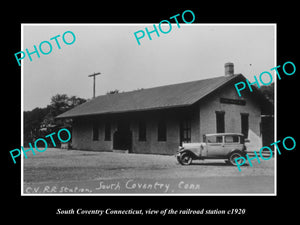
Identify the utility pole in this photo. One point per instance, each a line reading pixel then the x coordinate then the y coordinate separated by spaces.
pixel 94 75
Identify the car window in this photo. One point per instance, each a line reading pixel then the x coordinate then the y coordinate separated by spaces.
pixel 232 139
pixel 214 139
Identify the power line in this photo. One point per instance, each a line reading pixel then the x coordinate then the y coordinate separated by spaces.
pixel 94 75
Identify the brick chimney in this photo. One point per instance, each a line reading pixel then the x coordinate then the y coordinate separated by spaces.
pixel 229 69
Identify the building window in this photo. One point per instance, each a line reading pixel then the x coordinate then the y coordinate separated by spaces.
pixel 95 132
pixel 220 120
pixel 107 132
pixel 142 131
pixel 186 131
pixel 245 124
pixel 162 130
pixel 220 115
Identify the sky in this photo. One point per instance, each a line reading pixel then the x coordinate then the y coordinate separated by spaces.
pixel 191 52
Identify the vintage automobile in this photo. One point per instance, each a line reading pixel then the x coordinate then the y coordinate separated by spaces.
pixel 228 146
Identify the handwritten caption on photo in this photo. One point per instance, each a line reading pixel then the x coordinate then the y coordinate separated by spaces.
pixel 117 186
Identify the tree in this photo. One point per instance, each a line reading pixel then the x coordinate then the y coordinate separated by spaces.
pixel 116 91
pixel 32 122
pixel 61 103
pixel 268 91
pixel 41 121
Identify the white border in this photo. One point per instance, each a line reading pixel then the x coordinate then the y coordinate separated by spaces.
pixel 22 113
pixel 275 110
pixel 150 194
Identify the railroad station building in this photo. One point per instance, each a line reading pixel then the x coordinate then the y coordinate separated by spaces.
pixel 157 120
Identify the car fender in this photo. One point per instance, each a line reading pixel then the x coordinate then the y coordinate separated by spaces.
pixel 194 156
pixel 236 150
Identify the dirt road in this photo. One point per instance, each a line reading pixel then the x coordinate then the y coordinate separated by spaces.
pixel 58 171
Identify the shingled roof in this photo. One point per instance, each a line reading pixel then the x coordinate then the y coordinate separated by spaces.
pixel 175 95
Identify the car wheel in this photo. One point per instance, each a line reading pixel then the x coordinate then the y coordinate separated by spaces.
pixel 185 159
pixel 234 156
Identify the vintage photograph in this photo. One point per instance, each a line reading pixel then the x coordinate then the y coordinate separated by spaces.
pixel 103 114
